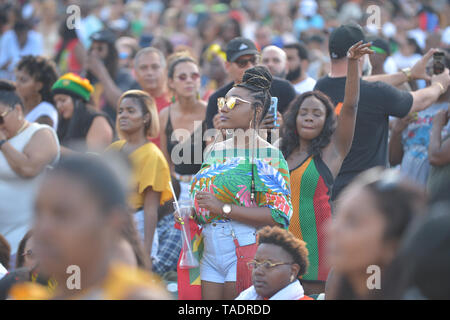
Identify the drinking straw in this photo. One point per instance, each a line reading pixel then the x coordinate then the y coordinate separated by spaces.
pixel 180 219
pixel 176 202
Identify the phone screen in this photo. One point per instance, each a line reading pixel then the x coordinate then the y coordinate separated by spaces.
pixel 273 108
pixel 438 62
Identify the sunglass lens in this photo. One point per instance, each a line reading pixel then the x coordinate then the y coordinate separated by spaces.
pixel 220 103
pixel 231 103
pixel 242 63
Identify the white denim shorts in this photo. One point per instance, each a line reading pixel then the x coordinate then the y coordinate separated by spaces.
pixel 219 256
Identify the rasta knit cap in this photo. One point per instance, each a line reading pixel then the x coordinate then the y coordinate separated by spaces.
pixel 73 85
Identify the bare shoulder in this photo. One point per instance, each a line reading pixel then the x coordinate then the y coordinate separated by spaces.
pixel 43 142
pixel 100 122
pixel 43 135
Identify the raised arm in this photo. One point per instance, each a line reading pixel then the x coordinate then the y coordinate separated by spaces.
pixel 418 71
pixel 424 98
pixel 98 69
pixel 343 137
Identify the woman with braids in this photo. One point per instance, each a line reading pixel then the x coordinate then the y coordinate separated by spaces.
pixel 242 185
pixel 34 79
pixel 314 151
pixel 79 123
pixel 280 259
pixel 186 114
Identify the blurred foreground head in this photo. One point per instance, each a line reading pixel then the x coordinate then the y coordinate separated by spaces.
pixel 421 269
pixel 80 216
pixel 372 217
pixel 79 212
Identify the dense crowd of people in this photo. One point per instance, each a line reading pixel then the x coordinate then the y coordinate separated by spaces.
pixel 309 145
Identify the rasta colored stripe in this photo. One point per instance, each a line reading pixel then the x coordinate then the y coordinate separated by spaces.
pixel 296 178
pixel 311 211
pixel 308 219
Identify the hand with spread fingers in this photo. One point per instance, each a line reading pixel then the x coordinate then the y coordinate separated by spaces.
pixel 358 50
pixel 419 70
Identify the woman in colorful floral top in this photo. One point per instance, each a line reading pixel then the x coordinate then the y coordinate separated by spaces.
pixel 243 185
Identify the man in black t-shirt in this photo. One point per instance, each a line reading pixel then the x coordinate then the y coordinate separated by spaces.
pixel 378 100
pixel 242 55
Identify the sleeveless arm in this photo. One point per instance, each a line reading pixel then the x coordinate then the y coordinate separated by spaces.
pixel 40 151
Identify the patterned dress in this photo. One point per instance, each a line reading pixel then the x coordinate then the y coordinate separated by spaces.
pixel 311 183
pixel 228 175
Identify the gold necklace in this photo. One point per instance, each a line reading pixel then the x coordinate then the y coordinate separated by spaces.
pixel 22 128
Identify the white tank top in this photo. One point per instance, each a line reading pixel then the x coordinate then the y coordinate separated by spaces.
pixel 44 109
pixel 16 192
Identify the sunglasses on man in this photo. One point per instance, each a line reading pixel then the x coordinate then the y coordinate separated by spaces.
pixel 242 63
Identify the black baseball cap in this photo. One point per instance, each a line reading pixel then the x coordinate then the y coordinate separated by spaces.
pixel 379 45
pixel 342 38
pixel 104 36
pixel 239 47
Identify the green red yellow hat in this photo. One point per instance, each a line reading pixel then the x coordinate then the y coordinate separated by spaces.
pixel 74 85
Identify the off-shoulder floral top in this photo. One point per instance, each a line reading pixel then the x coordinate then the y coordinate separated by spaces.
pixel 228 174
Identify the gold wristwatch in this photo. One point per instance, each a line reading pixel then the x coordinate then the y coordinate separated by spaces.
pixel 407 72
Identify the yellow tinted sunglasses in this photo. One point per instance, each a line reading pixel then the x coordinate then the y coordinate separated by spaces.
pixel 230 102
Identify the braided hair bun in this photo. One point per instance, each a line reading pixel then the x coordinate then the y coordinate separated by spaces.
pixel 257 78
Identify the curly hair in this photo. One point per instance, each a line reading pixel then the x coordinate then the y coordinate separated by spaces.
pixel 290 137
pixel 41 70
pixel 258 80
pixel 286 240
